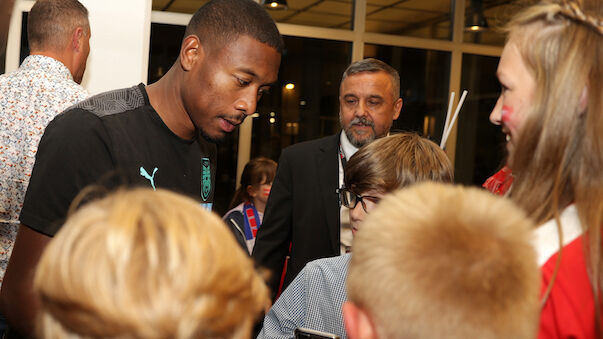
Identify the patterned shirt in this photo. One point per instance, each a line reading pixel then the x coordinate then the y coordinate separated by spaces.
pixel 313 300
pixel 30 97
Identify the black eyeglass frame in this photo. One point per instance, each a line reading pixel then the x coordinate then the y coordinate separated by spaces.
pixel 351 203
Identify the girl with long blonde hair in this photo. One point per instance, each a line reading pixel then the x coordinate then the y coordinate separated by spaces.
pixel 550 108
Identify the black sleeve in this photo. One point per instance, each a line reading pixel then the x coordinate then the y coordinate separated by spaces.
pixel 235 222
pixel 273 238
pixel 73 153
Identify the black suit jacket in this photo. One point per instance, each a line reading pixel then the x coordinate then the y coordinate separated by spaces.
pixel 303 208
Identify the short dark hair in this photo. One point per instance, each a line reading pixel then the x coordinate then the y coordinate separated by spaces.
pixel 371 65
pixel 50 23
pixel 221 21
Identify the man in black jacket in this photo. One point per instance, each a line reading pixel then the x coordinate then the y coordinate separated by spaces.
pixel 303 208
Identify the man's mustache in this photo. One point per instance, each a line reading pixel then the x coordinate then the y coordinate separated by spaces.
pixel 362 121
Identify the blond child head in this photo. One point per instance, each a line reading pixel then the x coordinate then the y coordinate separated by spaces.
pixel 443 261
pixel 146 264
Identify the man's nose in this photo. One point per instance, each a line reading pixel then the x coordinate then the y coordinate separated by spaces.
pixel 361 109
pixel 247 103
pixel 495 115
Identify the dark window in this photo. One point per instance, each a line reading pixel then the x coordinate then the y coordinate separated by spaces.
pixel 424 79
pixel 480 144
pixel 310 109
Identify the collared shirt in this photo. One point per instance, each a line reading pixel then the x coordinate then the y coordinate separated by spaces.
pixel 30 97
pixel 344 212
pixel 546 236
pixel 313 300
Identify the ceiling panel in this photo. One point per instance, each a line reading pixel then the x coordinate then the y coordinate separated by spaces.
pixel 381 3
pixel 301 4
pixel 406 17
pixel 180 6
pixel 399 15
pixel 159 4
pixel 381 26
pixel 372 8
pixel 318 19
pixel 335 7
pixel 280 15
pixel 442 6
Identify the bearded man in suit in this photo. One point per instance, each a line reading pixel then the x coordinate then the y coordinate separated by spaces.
pixel 303 208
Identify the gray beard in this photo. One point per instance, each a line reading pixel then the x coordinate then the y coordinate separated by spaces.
pixel 358 143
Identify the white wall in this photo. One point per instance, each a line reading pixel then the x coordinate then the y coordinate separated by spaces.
pixel 119 47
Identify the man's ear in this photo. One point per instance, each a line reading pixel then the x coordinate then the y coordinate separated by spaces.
pixel 357 322
pixel 397 108
pixel 191 52
pixel 77 39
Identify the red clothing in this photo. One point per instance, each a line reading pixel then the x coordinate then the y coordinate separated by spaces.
pixel 500 182
pixel 569 311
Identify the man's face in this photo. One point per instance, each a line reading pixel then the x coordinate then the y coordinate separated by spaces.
pixel 367 107
pixel 227 84
pixel 518 87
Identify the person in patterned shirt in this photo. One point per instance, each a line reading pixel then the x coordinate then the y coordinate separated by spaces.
pixel 46 83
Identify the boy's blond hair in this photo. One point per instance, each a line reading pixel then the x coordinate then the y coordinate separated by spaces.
pixel 443 261
pixel 146 264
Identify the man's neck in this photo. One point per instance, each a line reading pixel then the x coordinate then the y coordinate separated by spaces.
pixel 58 56
pixel 164 96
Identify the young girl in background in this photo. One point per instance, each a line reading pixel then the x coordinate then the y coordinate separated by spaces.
pixel 249 201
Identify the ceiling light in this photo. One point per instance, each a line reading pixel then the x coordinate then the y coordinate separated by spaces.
pixel 476 22
pixel 275 4
pixel 290 86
